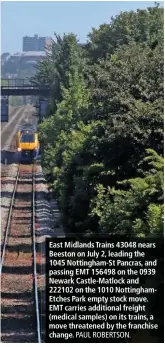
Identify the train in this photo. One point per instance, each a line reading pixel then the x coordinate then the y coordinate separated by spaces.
pixel 27 143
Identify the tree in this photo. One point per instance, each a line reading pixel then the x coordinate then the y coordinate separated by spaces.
pixel 127 96
pixel 63 55
pixel 69 130
pixel 136 210
pixel 143 26
pixel 107 110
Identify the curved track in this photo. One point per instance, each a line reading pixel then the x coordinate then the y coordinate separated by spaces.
pixel 6 252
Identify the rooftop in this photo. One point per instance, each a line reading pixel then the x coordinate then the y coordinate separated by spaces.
pixel 29 54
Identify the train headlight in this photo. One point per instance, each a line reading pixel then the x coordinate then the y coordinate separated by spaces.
pixel 19 149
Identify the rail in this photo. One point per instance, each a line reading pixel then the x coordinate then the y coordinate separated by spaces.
pixel 28 86
pixel 7 231
pixel 35 256
pixel 21 83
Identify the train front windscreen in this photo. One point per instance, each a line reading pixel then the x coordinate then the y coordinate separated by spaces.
pixel 27 137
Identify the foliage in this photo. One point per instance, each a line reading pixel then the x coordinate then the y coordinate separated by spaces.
pixel 61 58
pixel 137 209
pixel 17 69
pixel 15 100
pixel 106 109
pixel 143 26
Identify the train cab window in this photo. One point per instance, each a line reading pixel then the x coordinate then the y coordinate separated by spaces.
pixel 27 138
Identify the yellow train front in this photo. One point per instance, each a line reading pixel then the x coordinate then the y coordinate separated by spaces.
pixel 27 145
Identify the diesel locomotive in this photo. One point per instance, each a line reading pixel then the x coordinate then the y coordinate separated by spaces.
pixel 27 143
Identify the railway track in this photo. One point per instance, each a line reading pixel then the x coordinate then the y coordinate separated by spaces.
pixel 6 252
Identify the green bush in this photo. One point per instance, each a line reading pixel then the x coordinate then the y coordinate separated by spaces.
pixel 106 108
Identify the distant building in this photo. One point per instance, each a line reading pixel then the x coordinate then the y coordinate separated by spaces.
pixel 31 57
pixel 16 64
pixel 35 43
pixel 4 57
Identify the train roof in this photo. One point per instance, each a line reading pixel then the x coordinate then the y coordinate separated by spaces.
pixel 28 127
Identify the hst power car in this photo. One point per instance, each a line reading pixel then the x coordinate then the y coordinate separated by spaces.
pixel 27 143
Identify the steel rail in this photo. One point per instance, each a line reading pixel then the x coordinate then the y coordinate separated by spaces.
pixel 9 219
pixel 35 256
pixel 33 243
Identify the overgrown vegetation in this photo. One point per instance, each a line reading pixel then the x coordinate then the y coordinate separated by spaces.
pixel 103 134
